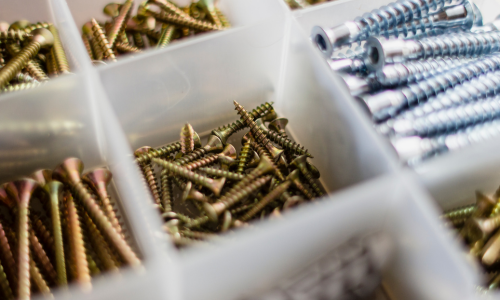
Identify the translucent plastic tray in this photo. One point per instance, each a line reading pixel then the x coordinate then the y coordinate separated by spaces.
pixel 267 56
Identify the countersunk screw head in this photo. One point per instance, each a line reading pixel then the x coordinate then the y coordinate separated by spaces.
pixel 142 150
pixel 87 28
pixel 69 171
pixel 227 157
pixel 279 125
pixel 112 9
pixel 98 177
pixel 19 25
pixel 44 37
pixel 4 26
pixel 4 197
pixel 214 144
pixel 43 176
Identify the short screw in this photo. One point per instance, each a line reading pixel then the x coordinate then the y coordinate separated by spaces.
pixel 126 48
pixel 244 155
pixel 69 172
pixel 187 142
pixel 274 194
pixel 102 41
pixel 99 179
pixel 214 185
pixel 42 38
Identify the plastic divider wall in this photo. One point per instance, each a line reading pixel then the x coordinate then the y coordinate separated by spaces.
pixel 265 57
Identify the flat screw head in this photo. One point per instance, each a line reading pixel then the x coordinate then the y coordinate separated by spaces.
pixel 4 197
pixel 44 37
pixel 19 189
pixel 254 161
pixel 144 149
pixel 69 171
pixel 87 28
pixel 300 161
pixel 279 125
pixel 314 171
pixel 43 176
pixel 214 144
pixel 247 137
pixel 98 177
pixel 112 9
pixel 19 25
pixel 4 26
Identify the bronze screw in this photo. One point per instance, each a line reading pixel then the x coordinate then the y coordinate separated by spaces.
pixel 126 48
pixel 190 193
pixel 8 257
pixel 214 185
pixel 119 23
pixel 460 214
pixel 166 189
pixel 274 194
pixel 262 152
pixel 149 176
pixel 279 125
pixel 37 278
pixel 209 7
pixel 42 38
pixel 243 156
pixel 58 53
pixel 33 68
pixel 232 197
pixel 144 10
pixel 214 144
pixel 300 163
pixel 42 257
pixel 187 142
pixel 226 131
pixel 205 161
pixel 222 173
pixel 14 35
pixel 154 153
pixel 167 33
pixel 102 41
pixel 21 191
pixel 294 177
pixel 99 179
pixel 257 132
pixel 4 284
pixel 227 157
pixel 69 171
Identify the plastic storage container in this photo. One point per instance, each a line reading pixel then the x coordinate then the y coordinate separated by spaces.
pixel 267 56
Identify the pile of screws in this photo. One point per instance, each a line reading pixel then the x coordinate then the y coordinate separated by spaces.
pixel 431 89
pixel 29 54
pixel 57 227
pixel 296 4
pixel 478 224
pixel 156 24
pixel 261 181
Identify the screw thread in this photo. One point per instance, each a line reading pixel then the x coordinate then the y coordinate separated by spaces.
pixel 413 71
pixel 38 25
pixel 197 235
pixel 151 181
pixel 214 16
pixel 57 240
pixel 21 86
pixel 242 208
pixel 192 223
pixel 166 189
pixel 196 154
pixel 103 224
pixel 223 19
pixel 244 153
pixel 102 41
pixel 186 173
pixel 77 246
pixel 261 151
pixel 169 7
pixel 138 40
pixel 14 35
pixel 8 257
pixel 167 33
pixel 309 178
pixel 187 141
pixel 42 258
pixel 274 194
pixel 222 173
pixel 88 46
pixel 154 153
pixel 14 66
pixel 119 23
pixel 126 48
pixel 4 284
pixel 24 78
pixel 42 232
pixel 202 162
pixel 38 280
pixel 303 189
pixel 23 266
pixel 287 144
pixel 33 68
pixel 178 20
pixel 236 195
pixel 58 52
pixel 257 132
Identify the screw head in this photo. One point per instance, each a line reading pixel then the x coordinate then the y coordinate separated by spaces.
pixel 69 170
pixel 214 144
pixel 98 176
pixel 216 185
pixel 112 9
pixel 18 189
pixel 140 151
pixel 4 197
pixel 19 25
pixel 210 211
pixel 279 125
pixel 44 37
pixel 4 26
pixel 43 176
pixel 299 161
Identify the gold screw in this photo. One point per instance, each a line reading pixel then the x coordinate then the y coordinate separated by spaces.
pixel 187 142
pixel 274 194
pixel 102 41
pixel 294 177
pixel 58 53
pixel 119 23
pixel 167 33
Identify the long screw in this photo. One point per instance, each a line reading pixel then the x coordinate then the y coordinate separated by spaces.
pixel 222 173
pixel 177 20
pixel 274 194
pixel 301 163
pixel 5 285
pixel 147 171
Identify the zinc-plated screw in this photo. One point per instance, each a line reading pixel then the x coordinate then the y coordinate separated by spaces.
pixel 450 119
pixel 274 194
pixel 458 216
pixel 14 35
pixel 190 193
pixel 372 23
pixel 232 197
pixel 263 154
pixel 257 132
pixel 301 163
pixel 491 251
pixel 294 177
pixel 42 38
pixel 147 171
pixel 21 87
pixel 145 10
pixel 214 185
pixel 59 55
pixel 8 260
pixel 260 111
pixel 38 280
pixel 69 171
pixel 279 125
pixel 126 48
pixel 102 41
pixel 158 152
pixel 119 23
pixel 347 65
pixel 223 19
pixel 390 102
pixel 205 161
pixel 187 142
pixel 24 78
pixel 381 51
pixel 99 179
pixel 4 284
pixel 222 173
pixel 21 191
pixel 167 33
pixel 244 155
pixel 412 71
pixel 166 191
pixel 169 7
pixel 42 257
pixel 214 144
pixel 209 7
pixel 292 202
